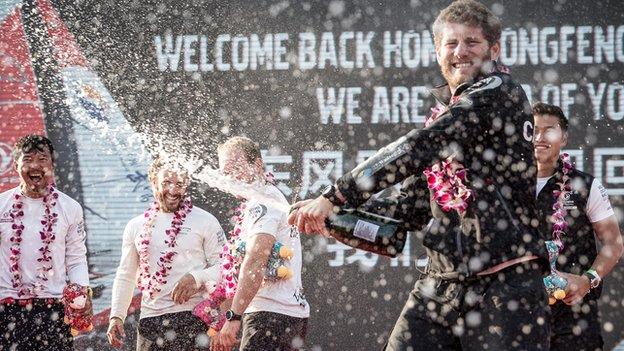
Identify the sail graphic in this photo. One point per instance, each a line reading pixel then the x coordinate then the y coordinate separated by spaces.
pixel 109 164
pixel 20 112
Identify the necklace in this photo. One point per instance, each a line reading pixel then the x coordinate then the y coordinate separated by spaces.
pixel 47 237
pixel 152 282
pixel 559 211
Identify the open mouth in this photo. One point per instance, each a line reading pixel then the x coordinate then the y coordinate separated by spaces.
pixel 36 177
pixel 541 147
pixel 171 198
pixel 460 65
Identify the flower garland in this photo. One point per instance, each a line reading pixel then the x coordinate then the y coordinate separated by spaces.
pixel 151 282
pixel 446 179
pixel 209 309
pixel 47 237
pixel 559 211
pixel 555 284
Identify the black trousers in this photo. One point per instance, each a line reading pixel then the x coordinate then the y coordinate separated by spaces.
pixel 505 311
pixel 35 327
pixel 180 331
pixel 577 325
pixel 268 331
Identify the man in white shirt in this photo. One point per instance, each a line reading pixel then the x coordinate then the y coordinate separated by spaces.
pixel 170 252
pixel 42 248
pixel 588 215
pixel 275 310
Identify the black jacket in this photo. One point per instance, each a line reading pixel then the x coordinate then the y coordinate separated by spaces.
pixel 489 130
pixel 579 243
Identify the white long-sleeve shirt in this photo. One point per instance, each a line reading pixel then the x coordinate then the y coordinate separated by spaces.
pixel 198 246
pixel 68 250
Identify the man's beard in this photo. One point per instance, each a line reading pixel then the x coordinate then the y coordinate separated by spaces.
pixel 164 206
pixel 455 81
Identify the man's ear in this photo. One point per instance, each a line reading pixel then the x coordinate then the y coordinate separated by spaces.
pixel 259 164
pixel 564 139
pixel 495 50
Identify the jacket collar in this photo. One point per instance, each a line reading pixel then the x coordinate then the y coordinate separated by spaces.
pixel 442 93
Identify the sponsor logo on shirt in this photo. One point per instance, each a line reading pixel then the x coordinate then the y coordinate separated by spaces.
pixel 293 232
pixel 257 212
pixel 300 297
pixel 5 217
pixel 185 230
pixel 568 202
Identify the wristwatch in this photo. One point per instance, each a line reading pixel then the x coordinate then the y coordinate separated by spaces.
pixel 232 316
pixel 330 194
pixel 594 278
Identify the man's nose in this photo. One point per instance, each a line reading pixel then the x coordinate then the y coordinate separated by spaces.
pixel 461 49
pixel 538 136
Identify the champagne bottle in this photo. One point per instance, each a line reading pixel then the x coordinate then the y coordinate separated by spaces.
pixel 368 231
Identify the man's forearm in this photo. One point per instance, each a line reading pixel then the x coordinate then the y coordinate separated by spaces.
pixel 250 280
pixel 608 233
pixel 607 258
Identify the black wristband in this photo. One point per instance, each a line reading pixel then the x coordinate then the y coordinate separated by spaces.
pixel 232 316
pixel 330 194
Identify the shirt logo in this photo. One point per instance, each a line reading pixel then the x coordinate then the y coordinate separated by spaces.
pixel 257 212
pixel 5 217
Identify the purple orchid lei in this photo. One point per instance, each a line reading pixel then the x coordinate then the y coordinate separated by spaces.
pixel 559 211
pixel 209 309
pixel 446 179
pixel 151 282
pixel 47 237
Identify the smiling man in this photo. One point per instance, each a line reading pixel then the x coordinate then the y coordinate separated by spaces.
pixel 173 249
pixel 486 255
pixel 42 247
pixel 588 216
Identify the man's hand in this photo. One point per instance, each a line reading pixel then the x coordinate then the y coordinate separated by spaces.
pixel 226 339
pixel 309 215
pixel 184 289
pixel 578 287
pixel 116 333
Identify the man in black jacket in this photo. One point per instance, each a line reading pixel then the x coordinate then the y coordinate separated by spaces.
pixel 588 215
pixel 483 286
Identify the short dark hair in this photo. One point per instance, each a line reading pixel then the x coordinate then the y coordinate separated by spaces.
pixel 470 13
pixel 32 143
pixel 540 108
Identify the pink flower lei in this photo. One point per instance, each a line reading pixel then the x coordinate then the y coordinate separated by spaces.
pixel 208 310
pixel 47 237
pixel 559 211
pixel 446 179
pixel 151 282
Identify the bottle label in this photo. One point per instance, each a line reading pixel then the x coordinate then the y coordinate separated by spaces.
pixel 365 230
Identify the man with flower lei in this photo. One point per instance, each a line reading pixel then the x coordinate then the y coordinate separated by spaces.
pixel 484 247
pixel 575 208
pixel 171 253
pixel 272 313
pixel 42 247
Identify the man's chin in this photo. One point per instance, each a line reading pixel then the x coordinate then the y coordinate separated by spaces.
pixel 38 188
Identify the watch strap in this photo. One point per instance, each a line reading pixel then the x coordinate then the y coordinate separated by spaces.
pixel 594 278
pixel 330 194
pixel 232 316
